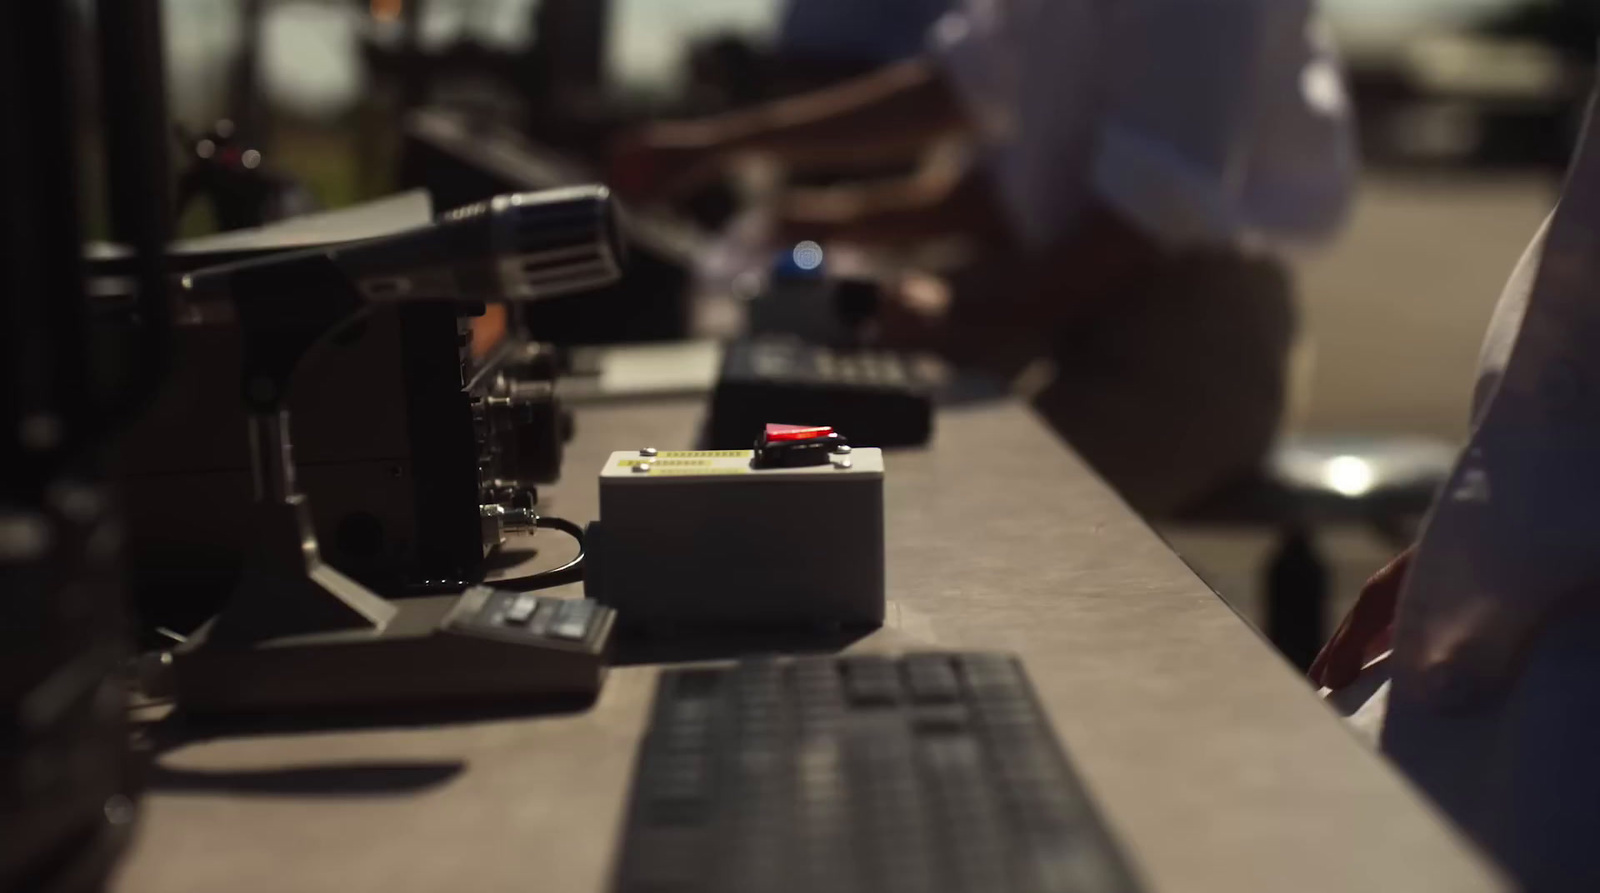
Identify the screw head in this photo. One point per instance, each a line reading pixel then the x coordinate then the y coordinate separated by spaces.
pixel 648 452
pixel 842 449
pixel 641 468
pixel 119 810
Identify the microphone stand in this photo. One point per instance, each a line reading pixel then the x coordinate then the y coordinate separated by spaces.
pixel 286 588
pixel 296 633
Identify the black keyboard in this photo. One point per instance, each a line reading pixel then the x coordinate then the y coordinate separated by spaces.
pixel 930 772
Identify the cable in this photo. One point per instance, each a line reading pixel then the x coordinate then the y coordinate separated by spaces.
pixel 571 572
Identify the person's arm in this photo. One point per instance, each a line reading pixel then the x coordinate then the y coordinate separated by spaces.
pixel 891 113
pixel 948 194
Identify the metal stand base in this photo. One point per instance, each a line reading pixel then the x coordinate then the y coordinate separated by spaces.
pixel 437 650
pixel 287 589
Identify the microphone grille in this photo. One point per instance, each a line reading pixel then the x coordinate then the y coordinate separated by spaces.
pixel 556 241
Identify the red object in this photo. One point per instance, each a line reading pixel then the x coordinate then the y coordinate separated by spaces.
pixel 777 433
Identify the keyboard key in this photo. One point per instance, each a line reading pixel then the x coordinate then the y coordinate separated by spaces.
pixel 932 678
pixel 940 719
pixel 521 609
pixel 993 672
pixel 872 680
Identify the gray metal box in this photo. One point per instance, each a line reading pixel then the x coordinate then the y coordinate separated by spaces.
pixel 700 538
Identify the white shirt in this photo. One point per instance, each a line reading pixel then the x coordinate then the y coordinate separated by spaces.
pixel 1204 121
pixel 1494 707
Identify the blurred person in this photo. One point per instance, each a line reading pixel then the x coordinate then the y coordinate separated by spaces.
pixel 821 42
pixel 1489 696
pixel 1138 166
pixel 856 32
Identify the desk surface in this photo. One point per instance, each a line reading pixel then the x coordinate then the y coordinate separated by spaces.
pixel 1215 764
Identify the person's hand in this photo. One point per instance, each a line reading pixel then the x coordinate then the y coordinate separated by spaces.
pixel 914 313
pixel 1367 630
pixel 662 160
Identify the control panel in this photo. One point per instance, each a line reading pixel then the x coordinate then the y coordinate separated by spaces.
pixel 783 535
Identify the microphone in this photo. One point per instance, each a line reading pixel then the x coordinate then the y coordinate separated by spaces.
pixel 523 246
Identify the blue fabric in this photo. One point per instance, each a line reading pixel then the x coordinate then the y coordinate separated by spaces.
pixel 858 30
